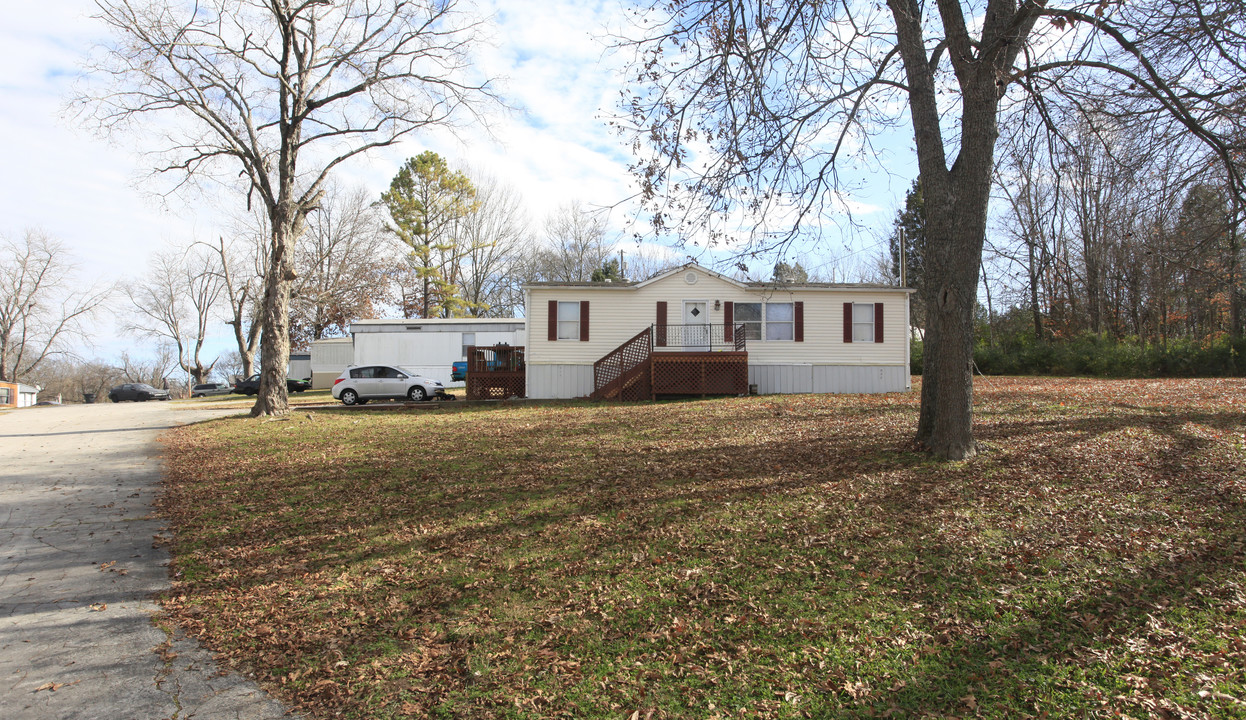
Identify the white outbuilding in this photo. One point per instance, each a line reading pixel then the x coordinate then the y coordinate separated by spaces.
pixel 429 346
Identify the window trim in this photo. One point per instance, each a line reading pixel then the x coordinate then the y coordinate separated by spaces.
pixel 876 322
pixel 568 305
pixel 858 309
pixel 779 323
pixel 762 323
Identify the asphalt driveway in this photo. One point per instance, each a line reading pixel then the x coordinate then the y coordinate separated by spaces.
pixel 79 564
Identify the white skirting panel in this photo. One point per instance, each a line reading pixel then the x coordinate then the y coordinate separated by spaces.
pixel 560 381
pixel 784 379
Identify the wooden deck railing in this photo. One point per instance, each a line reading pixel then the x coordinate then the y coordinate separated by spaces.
pixel 623 374
pixel 496 372
pixel 699 338
pixel 675 360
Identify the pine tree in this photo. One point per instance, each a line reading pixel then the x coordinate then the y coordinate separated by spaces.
pixel 427 202
pixel 911 221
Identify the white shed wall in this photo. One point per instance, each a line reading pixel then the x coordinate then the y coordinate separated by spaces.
pixel 548 382
pixel 329 358
pixel 300 368
pixel 429 352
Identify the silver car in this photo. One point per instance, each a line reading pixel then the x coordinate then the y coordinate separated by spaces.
pixel 357 385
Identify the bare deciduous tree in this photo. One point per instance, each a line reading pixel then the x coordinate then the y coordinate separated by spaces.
pixel 280 92
pixel 494 235
pixel 751 107
pixel 343 265
pixel 42 303
pixel 576 245
pixel 175 302
pixel 240 265
pixel 152 369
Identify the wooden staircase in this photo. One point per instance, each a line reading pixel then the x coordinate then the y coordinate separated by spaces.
pixel 626 372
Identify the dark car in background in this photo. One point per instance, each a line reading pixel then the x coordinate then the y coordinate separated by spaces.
pixel 206 389
pixel 251 385
pixel 137 392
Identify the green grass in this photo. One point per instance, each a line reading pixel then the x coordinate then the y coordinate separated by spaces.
pixel 747 557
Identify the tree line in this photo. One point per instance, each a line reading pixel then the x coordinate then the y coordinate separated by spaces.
pixel 1104 237
pixel 440 242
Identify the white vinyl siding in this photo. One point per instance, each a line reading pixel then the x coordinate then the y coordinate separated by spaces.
pixel 620 312
pixel 775 379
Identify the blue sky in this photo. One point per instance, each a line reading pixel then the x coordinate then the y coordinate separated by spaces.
pixel 555 147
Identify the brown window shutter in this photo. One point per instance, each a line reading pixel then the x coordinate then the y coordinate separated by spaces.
pixel 847 322
pixel 583 320
pixel 660 340
pixel 553 320
pixel 728 321
pixel 798 332
pixel 878 322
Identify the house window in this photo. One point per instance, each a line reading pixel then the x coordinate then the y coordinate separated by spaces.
pixel 568 321
pixel 863 322
pixel 772 321
pixel 469 339
pixel 6 398
pixel 780 321
pixel 748 315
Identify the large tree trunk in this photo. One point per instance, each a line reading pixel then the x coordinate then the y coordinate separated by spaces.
pixel 273 397
pixel 945 424
pixel 956 214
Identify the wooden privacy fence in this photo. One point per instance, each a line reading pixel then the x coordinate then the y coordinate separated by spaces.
pixel 496 372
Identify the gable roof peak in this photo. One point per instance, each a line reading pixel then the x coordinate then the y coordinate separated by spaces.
pixel 690 267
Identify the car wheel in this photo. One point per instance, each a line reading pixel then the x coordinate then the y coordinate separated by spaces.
pixel 417 394
pixel 143 398
pixel 113 398
pixel 349 397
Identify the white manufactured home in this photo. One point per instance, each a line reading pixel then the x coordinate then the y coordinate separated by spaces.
pixel 673 331
pixel 429 346
pixel 329 357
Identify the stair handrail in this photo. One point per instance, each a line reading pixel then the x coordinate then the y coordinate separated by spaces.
pixel 613 365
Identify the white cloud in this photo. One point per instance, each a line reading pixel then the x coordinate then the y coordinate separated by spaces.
pixel 554 146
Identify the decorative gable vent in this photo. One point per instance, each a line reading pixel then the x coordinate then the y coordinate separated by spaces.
pixel 691 278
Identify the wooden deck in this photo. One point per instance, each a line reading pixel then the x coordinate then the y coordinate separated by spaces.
pixel 496 372
pixel 699 373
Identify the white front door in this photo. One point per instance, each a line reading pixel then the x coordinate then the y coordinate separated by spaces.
pixel 696 326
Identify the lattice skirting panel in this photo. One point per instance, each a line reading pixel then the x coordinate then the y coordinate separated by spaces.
pixel 495 386
pixel 700 374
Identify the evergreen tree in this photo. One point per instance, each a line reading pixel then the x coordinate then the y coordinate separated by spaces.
pixel 609 271
pixel 784 273
pixel 427 202
pixel 911 221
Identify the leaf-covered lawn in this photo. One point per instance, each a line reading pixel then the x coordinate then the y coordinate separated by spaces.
pixel 779 556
